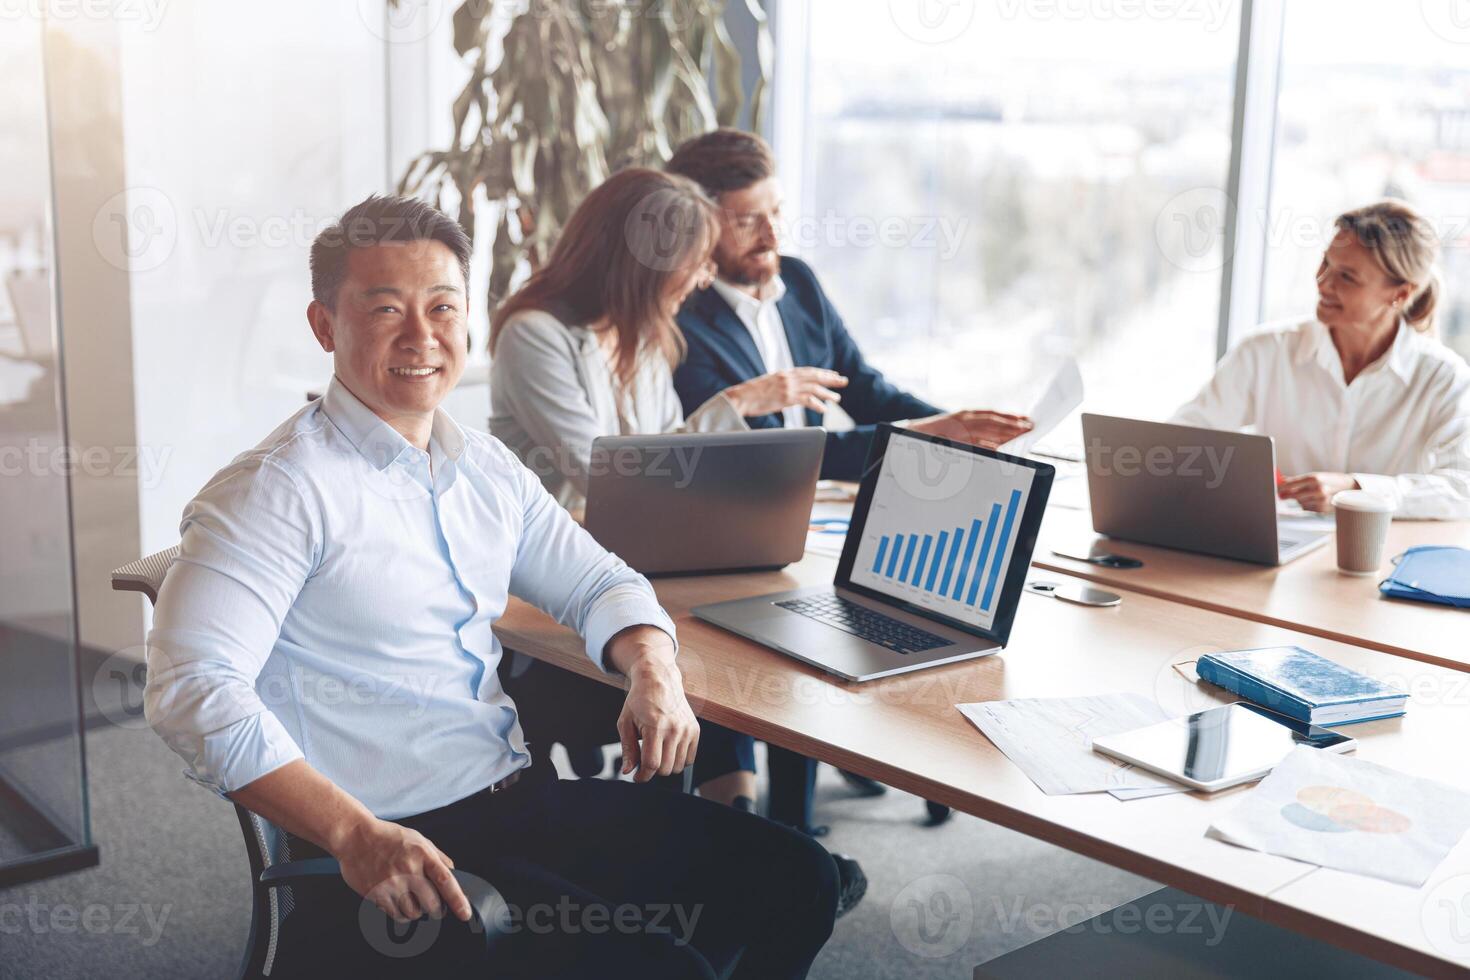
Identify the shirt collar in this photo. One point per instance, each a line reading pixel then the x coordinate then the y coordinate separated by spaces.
pixel 1401 355
pixel 380 443
pixel 1317 345
pixel 741 301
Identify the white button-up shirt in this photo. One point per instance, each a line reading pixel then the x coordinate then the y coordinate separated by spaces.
pixel 1402 428
pixel 763 320
pixel 333 601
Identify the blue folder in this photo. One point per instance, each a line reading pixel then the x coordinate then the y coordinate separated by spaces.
pixel 1431 573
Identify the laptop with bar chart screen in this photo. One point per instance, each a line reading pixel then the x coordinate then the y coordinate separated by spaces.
pixel 932 570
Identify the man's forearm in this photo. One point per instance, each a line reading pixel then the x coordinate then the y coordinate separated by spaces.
pixel 299 799
pixel 638 647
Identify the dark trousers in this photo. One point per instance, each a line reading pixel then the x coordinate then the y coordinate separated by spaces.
pixel 793 777
pixel 602 879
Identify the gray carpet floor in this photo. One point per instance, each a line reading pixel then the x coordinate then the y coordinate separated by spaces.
pixel 170 897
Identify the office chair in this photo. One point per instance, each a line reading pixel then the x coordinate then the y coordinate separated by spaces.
pixel 272 870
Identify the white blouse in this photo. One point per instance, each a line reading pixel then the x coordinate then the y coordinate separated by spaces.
pixel 552 393
pixel 1402 428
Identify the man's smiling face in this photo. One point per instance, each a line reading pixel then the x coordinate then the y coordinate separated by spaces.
pixel 397 334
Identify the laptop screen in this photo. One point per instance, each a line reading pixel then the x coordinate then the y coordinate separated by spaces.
pixel 941 526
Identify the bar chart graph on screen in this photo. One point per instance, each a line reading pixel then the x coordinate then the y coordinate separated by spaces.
pixel 941 529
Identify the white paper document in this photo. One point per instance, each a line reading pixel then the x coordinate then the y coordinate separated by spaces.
pixel 827 531
pixel 1051 739
pixel 1339 812
pixel 1062 395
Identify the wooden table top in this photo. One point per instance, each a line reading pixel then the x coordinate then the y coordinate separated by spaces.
pixel 1308 594
pixel 906 732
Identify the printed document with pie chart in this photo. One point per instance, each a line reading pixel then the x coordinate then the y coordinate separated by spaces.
pixel 941 529
pixel 1350 814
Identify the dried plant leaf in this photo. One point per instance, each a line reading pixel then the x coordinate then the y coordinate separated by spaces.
pixel 581 88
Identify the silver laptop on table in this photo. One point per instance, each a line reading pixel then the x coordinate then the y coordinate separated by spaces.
pixel 684 503
pixel 932 570
pixel 1203 490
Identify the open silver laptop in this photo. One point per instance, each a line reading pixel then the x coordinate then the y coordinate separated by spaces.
pixel 932 570
pixel 1203 490
pixel 704 502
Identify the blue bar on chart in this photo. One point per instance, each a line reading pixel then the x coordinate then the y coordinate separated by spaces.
pixel 908 556
pixel 923 557
pixel 938 556
pixel 965 563
pixel 954 551
pixel 878 562
pixel 893 555
pixel 984 551
pixel 1000 550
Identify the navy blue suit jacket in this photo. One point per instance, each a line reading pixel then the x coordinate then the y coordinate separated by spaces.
pixel 723 353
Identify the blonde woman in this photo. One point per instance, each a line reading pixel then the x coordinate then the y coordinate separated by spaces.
pixel 1362 395
pixel 587 347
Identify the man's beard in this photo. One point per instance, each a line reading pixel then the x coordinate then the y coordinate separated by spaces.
pixel 739 274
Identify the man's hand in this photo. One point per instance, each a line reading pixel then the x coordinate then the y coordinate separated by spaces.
pixel 400 871
pixel 395 868
pixel 807 387
pixel 657 727
pixel 1314 490
pixel 985 428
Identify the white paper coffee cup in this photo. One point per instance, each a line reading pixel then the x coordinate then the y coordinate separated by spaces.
pixel 1362 528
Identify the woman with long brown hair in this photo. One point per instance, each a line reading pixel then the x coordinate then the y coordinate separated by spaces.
pixel 587 346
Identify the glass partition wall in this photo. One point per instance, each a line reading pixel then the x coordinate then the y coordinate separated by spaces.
pixel 44 826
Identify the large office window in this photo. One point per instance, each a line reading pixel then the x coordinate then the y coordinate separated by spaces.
pixel 1374 101
pixel 984 188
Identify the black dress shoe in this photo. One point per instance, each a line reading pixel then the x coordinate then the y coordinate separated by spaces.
pixel 814 830
pixel 862 784
pixel 852 884
pixel 938 813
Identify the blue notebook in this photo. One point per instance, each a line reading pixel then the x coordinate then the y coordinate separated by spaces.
pixel 1431 573
pixel 1301 685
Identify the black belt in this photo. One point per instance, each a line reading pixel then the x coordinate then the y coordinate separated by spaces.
pixel 505 783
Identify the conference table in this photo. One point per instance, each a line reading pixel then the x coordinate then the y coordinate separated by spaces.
pixel 1308 594
pixel 906 732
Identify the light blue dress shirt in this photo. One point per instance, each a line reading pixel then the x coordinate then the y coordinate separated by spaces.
pixel 333 601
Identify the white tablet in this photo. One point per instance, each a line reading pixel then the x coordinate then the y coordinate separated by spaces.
pixel 1220 747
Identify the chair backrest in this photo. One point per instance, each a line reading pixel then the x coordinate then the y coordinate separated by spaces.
pixel 265 844
pixel 146 574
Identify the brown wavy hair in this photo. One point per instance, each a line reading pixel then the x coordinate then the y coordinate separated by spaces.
pixel 614 259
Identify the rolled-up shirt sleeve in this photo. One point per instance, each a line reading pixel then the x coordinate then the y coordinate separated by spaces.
pixel 562 570
pixel 249 541
pixel 1442 492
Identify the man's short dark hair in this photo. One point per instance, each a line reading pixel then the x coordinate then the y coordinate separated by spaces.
pixel 375 221
pixel 724 160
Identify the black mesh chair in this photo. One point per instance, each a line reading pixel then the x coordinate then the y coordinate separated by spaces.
pixel 272 870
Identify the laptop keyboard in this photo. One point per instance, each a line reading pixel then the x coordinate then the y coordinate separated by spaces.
pixel 864 623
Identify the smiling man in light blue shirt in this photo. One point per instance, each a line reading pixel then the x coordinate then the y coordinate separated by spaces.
pixel 322 651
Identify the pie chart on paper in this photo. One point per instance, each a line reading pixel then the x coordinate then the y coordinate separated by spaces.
pixel 1336 810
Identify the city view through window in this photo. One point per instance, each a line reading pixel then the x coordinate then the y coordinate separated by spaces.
pixel 1025 182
